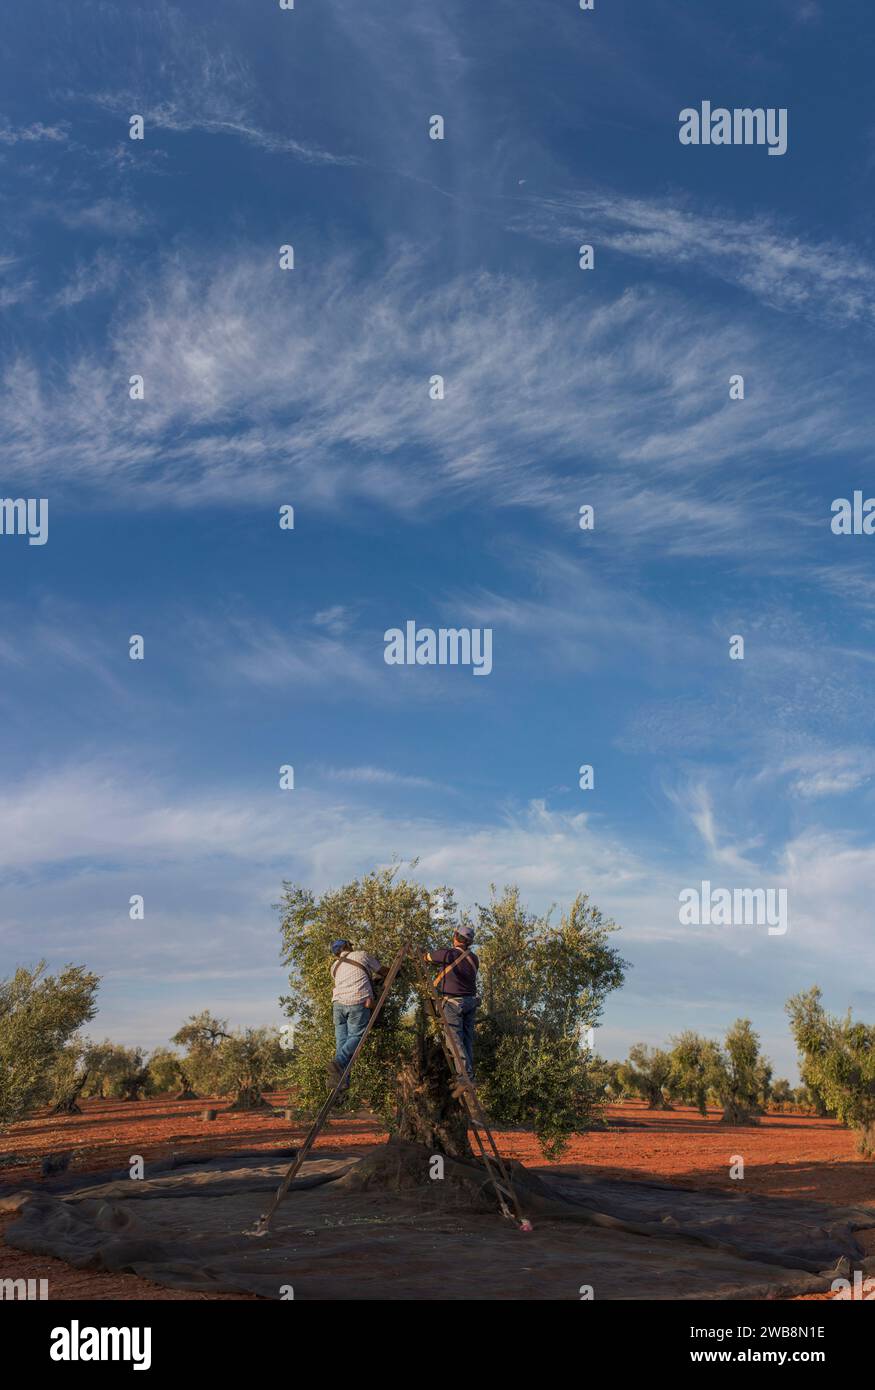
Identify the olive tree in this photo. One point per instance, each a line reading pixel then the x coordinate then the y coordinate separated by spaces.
pixel 39 1014
pixel 811 1029
pixel 692 1063
pixel 649 1072
pixel 740 1076
pixel 117 1072
pixel 782 1094
pixel 251 1061
pixel 838 1056
pixel 201 1037
pixel 540 985
pixel 168 1075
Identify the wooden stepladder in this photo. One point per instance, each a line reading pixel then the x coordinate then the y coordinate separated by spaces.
pixel 464 1089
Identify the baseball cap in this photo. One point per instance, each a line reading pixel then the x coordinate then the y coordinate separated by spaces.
pixel 465 933
pixel 337 946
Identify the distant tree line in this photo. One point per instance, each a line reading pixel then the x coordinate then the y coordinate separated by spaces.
pixel 46 1060
pixel 836 1065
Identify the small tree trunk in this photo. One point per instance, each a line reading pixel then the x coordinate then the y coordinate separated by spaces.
pixel 249 1098
pixel 657 1101
pixel 186 1091
pixel 69 1102
pixel 866 1140
pixel 428 1113
pixel 735 1113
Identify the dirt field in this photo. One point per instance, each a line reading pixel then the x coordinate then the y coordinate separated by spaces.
pixel 785 1155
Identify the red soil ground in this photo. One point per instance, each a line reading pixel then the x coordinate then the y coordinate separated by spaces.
pixel 785 1155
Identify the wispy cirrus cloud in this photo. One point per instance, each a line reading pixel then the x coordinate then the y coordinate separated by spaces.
pixel 99 275
pixel 829 773
pixel 105 217
pixel 35 134
pixel 378 777
pixel 203 110
pixel 319 378
pixel 781 268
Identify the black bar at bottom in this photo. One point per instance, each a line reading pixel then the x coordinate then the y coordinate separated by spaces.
pixel 205 1338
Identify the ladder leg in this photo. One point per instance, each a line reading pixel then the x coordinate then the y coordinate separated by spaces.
pixel 262 1226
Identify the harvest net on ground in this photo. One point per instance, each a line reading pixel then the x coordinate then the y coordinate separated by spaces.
pixel 379 1225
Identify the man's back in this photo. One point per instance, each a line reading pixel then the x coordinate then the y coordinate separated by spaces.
pixel 462 979
pixel 352 985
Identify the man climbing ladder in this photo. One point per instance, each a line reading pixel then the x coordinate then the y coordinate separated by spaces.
pixel 457 985
pixel 354 976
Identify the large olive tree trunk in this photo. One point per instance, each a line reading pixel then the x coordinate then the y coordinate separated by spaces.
pixel 428 1111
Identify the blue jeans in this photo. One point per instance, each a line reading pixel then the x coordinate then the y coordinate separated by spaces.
pixel 350 1021
pixel 460 1012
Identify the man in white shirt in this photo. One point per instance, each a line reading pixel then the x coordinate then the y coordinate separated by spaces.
pixel 355 975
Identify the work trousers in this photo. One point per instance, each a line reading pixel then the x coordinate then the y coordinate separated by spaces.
pixel 460 1012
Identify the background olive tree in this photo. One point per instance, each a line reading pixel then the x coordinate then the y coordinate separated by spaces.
pixel 740 1076
pixel 782 1097
pixel 201 1038
pixel 838 1063
pixel 809 1024
pixel 693 1059
pixel 648 1072
pixel 39 1014
pixel 252 1061
pixel 168 1075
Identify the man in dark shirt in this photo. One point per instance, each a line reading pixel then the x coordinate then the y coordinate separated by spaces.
pixel 456 982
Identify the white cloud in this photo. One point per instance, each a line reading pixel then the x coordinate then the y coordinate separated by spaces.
pixel 257 380
pixel 18 293
pixel 105 216
pixel 335 619
pixel 98 276
pixel 253 649
pixel 696 801
pixel 37 133
pixel 783 269
pixel 830 773
pixel 211 91
pixel 378 777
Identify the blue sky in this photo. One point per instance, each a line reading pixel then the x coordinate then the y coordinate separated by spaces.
pixel 310 387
